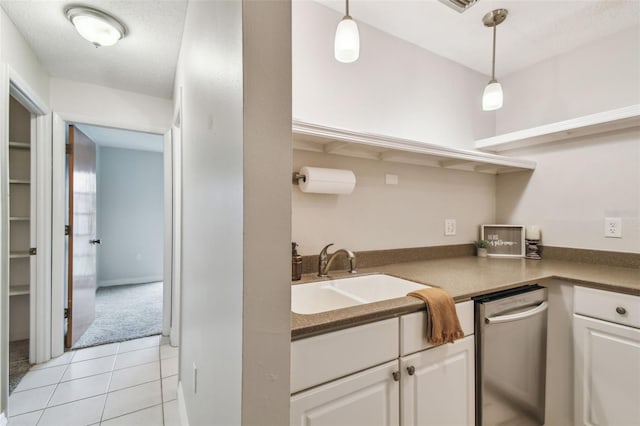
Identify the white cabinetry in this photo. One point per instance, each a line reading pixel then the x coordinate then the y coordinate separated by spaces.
pixel 438 385
pixel 607 358
pixel 369 398
pixel 384 373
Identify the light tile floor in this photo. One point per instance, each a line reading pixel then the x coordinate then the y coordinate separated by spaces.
pixel 129 383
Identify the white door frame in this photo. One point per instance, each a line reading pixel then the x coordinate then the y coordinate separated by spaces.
pixel 58 257
pixel 176 254
pixel 12 84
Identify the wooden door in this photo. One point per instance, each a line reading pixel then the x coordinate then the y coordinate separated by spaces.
pixel 82 236
pixel 369 398
pixel 438 385
pixel 606 373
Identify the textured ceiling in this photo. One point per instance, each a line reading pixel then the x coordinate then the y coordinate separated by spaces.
pixel 119 138
pixel 144 61
pixel 534 30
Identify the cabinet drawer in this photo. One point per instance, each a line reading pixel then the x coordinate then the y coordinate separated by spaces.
pixel 413 328
pixel 606 305
pixel 320 359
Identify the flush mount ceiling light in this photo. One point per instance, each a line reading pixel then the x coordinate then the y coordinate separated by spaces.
pixel 96 26
pixel 492 96
pixel 347 41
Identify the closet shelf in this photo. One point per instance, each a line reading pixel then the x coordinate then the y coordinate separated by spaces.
pixel 19 218
pixel 18 290
pixel 316 138
pixel 19 145
pixel 20 181
pixel 607 121
pixel 19 254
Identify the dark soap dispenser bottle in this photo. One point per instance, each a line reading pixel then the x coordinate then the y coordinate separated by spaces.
pixel 296 263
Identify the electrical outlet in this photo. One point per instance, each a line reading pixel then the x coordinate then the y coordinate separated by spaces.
pixel 449 227
pixel 195 379
pixel 612 227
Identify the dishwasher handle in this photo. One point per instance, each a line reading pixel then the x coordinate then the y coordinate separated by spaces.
pixel 520 315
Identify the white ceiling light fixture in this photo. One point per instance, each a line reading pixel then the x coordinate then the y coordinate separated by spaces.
pixel 96 26
pixel 492 97
pixel 347 41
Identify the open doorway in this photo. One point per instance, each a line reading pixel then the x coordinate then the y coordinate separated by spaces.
pixel 115 185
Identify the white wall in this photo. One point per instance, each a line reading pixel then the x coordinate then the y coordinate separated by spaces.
pixel 395 88
pixel 574 187
pixel 130 216
pixel 593 78
pixel 234 74
pixel 16 54
pixel 579 182
pixel 379 216
pixel 92 104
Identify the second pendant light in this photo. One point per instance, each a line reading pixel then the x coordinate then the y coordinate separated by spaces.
pixel 347 41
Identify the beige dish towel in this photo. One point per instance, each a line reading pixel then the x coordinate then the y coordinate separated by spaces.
pixel 443 325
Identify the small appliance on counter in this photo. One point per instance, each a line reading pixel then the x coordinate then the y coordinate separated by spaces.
pixel 511 356
pixel 296 263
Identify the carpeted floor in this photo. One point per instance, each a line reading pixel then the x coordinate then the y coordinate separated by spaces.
pixel 124 312
pixel 18 362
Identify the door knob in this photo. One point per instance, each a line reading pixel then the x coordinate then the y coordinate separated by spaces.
pixel 620 310
pixel 396 376
pixel 95 242
pixel 411 370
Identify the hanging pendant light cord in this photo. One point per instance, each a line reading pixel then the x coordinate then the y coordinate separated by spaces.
pixel 347 11
pixel 493 60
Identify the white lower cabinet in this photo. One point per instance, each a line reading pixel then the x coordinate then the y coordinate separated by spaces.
pixel 384 373
pixel 369 398
pixel 607 358
pixel 438 385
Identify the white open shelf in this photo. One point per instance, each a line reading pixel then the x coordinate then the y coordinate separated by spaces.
pixel 18 290
pixel 19 145
pixel 19 254
pixel 19 218
pixel 607 121
pixel 316 138
pixel 19 181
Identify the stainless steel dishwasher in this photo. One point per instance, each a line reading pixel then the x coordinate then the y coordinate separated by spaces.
pixel 511 357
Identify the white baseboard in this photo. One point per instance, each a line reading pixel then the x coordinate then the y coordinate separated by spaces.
pixel 136 280
pixel 182 408
pixel 3 420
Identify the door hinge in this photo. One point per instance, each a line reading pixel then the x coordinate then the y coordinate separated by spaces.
pixel 66 312
pixel 33 251
pixel 67 230
pixel 68 149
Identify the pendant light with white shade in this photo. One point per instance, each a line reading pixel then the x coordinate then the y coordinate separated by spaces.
pixel 492 97
pixel 347 41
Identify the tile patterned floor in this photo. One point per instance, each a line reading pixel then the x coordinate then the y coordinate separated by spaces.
pixel 126 384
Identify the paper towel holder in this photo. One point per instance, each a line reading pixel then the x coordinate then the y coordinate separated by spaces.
pixel 297 177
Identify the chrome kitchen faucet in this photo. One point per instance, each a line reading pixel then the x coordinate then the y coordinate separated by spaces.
pixel 325 260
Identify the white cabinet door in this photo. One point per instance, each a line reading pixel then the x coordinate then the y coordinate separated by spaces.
pixel 369 398
pixel 440 388
pixel 607 373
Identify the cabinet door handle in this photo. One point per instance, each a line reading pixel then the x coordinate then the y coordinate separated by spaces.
pixel 411 370
pixel 621 310
pixel 396 376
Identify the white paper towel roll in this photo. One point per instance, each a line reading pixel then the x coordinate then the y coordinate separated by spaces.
pixel 327 181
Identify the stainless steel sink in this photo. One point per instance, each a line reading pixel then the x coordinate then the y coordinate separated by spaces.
pixel 322 296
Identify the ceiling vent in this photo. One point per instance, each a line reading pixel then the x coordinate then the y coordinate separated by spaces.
pixel 459 5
